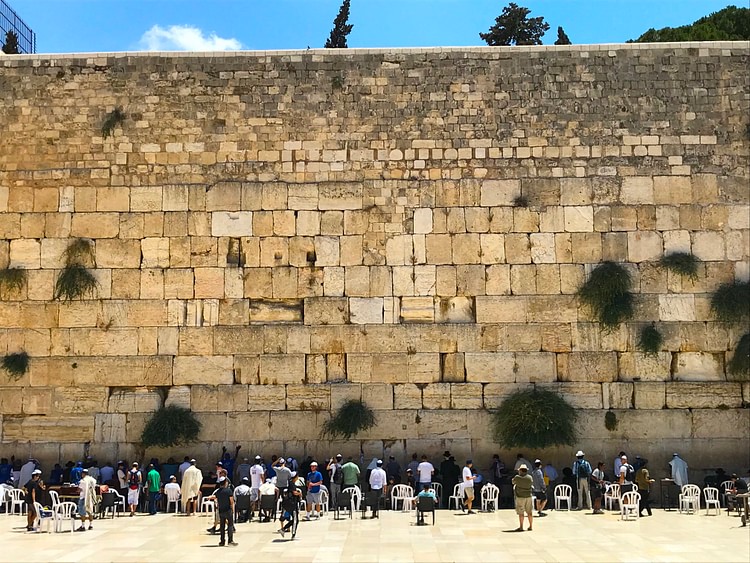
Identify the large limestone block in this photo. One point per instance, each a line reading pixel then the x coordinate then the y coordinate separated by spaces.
pixel 238 340
pixel 326 311
pixel 205 398
pixel 315 368
pixel 340 196
pixel 109 428
pixel 208 370
pixel 637 366
pixel 213 426
pixel 407 396
pixel 378 396
pixel 179 396
pixel 699 366
pixel 242 426
pixel 423 220
pixel 390 427
pixel 11 400
pixel 137 400
pixel 423 367
pixel 266 398
pixel 282 368
pixel 25 253
pixel 266 311
pixel 490 309
pixel 118 253
pixel 703 395
pixel 617 395
pixel 491 367
pixel 383 368
pixel 466 396
pixel 640 424
pixel 452 365
pixel 417 309
pixel 499 192
pixel 99 342
pixel 552 308
pixel 48 428
pixel 535 367
pixel 719 423
pixel 437 396
pixel 649 396
pixel 467 248
pixel 436 424
pixel 579 219
pixel 308 397
pixel 580 395
pixel 644 246
pixel 588 366
pixel 366 310
pixel 637 190
pixel 454 310
pixel 231 224
pixel 676 307
pixel 36 400
pixel 302 425
pixel 343 392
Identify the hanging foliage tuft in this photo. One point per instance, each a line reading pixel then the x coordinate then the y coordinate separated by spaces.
pixel 350 419
pixel 607 294
pixel 171 426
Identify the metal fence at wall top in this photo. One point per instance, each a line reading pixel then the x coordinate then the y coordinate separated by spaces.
pixel 9 21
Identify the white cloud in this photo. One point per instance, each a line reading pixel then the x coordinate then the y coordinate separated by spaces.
pixel 185 38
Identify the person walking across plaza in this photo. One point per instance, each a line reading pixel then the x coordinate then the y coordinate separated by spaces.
pixel 643 480
pixel 86 500
pixel 522 485
pixel 582 472
pixel 224 497
pixel 153 483
pixel 540 489
pixel 468 475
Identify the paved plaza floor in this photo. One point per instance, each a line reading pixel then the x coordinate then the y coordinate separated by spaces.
pixel 479 538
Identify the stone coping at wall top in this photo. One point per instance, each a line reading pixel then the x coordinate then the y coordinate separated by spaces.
pixel 90 57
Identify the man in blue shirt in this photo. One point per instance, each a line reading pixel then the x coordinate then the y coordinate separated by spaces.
pixel 314 481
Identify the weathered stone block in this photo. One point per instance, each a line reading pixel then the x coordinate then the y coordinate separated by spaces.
pixel 649 396
pixel 308 397
pixel 210 370
pixel 637 366
pixel 703 395
pixel 326 311
pixel 378 396
pixel 49 428
pixel 282 368
pixel 178 395
pixel 699 366
pixel 644 246
pixel 501 309
pixel 138 400
pixel 343 392
pixel 407 396
pixel 231 224
pixel 588 366
pixel 618 395
pixel 491 367
pixel 266 398
pixel 366 311
pixel 110 428
pixel 466 395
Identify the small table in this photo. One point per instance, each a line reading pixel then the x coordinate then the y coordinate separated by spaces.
pixel 668 494
pixel 745 497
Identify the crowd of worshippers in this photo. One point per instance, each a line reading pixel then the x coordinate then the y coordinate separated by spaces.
pixel 147 487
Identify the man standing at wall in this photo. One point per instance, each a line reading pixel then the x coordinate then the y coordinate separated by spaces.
pixel 314 481
pixel 336 478
pixel 425 471
pixel 135 480
pixel 582 472
pixel 378 480
pixel 153 481
pixel 350 471
pixel 191 488
pixel 540 489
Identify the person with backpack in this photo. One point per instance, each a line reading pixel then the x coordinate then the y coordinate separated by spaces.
pixel 336 477
pixel 627 476
pixel 135 480
pixel 582 472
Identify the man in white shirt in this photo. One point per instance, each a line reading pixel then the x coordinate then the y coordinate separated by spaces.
pixel 520 460
pixel 173 485
pixel 378 480
pixel 257 476
pixel 425 471
pixel 617 464
pixel 468 476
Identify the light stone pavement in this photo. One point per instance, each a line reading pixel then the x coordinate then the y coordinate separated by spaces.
pixel 562 536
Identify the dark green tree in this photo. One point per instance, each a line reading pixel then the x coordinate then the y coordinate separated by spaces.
pixel 730 24
pixel 514 27
pixel 562 37
pixel 10 47
pixel 341 28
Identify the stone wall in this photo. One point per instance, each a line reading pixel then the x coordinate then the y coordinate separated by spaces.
pixel 277 232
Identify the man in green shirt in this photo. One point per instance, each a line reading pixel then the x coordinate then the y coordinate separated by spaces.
pixel 153 482
pixel 522 484
pixel 350 471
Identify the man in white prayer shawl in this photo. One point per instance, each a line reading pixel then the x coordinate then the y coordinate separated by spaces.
pixel 679 470
pixel 191 488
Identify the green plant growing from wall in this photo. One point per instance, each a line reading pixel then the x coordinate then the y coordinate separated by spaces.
pixel 350 419
pixel 11 279
pixel 534 418
pixel 731 302
pixel 739 365
pixel 16 364
pixel 607 294
pixel 170 426
pixel 610 421
pixel 114 118
pixel 650 340
pixel 75 280
pixel 682 263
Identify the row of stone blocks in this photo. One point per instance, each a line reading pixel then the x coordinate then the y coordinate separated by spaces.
pixel 380 396
pixel 672 426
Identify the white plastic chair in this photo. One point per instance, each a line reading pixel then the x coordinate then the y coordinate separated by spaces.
pixel 42 519
pixel 324 497
pixel 15 500
pixel 356 495
pixel 55 497
pixel 457 497
pixel 563 493
pixel 437 488
pixel 490 497
pixel 121 501
pixel 173 497
pixel 612 496
pixel 403 494
pixel 64 511
pixel 711 496
pixel 207 506
pixel 690 499
pixel 629 504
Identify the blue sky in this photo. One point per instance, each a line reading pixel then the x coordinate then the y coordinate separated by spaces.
pixel 126 25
